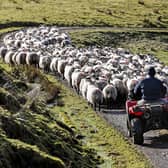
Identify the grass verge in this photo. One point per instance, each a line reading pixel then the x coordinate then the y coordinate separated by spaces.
pixel 113 148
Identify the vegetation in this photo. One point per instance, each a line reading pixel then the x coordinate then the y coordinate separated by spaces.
pixel 120 13
pixel 31 135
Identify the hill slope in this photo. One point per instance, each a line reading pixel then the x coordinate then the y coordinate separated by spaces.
pixel 30 134
pixel 120 13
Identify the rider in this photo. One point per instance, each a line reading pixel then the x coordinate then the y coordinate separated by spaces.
pixel 150 89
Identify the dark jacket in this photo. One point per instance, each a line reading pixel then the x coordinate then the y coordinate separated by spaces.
pixel 150 89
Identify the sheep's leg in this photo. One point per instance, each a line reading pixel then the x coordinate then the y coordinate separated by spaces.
pixel 63 77
pixel 107 103
pixel 99 107
pixel 94 106
pixel 78 91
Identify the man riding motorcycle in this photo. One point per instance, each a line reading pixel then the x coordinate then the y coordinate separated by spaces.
pixel 150 112
pixel 150 89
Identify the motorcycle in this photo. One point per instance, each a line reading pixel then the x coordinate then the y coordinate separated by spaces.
pixel 146 117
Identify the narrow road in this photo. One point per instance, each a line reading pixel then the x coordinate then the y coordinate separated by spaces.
pixel 155 146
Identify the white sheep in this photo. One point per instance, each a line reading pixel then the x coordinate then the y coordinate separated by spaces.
pixel 3 51
pixel 20 58
pixel 53 64
pixel 83 86
pixel 8 57
pixel 32 58
pixel 68 74
pixel 109 94
pixel 94 96
pixel 44 63
pixel 77 76
pixel 122 92
pixel 61 67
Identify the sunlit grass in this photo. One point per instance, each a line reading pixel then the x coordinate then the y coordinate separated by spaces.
pixel 125 13
pixel 113 148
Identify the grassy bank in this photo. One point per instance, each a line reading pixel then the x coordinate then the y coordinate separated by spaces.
pixel 115 150
pixel 120 13
pixel 31 135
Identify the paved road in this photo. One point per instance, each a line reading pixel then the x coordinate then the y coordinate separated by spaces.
pixel 155 144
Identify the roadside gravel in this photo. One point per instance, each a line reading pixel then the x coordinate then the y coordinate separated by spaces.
pixel 155 146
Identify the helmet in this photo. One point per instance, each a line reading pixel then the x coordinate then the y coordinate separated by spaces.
pixel 151 71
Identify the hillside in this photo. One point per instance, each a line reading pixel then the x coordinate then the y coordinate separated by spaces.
pixel 31 135
pixel 51 130
pixel 120 13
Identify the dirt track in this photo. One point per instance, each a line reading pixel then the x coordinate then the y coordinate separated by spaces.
pixel 155 145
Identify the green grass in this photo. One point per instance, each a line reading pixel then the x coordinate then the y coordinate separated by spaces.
pixel 34 135
pixel 118 13
pixel 113 148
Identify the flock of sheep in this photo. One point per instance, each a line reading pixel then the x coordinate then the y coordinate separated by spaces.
pixel 103 76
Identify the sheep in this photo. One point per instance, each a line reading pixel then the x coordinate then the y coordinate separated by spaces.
pixel 83 86
pixel 32 58
pixel 83 60
pixel 68 74
pixel 19 35
pixel 14 57
pixel 53 64
pixel 101 83
pixel 76 65
pixel 3 51
pixel 121 91
pixel 87 69
pixel 130 84
pixel 8 41
pixel 94 96
pixel 20 58
pixel 8 57
pixel 109 94
pixel 61 67
pixel 76 79
pixel 65 43
pixel 44 63
pixel 17 43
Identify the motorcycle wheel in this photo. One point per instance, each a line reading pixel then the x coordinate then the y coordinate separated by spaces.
pixel 129 130
pixel 137 129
